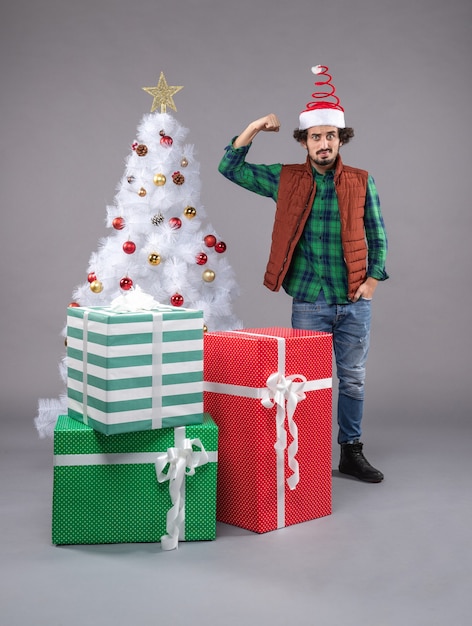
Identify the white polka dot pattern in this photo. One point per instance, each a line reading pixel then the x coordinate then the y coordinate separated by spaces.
pixel 247 489
pixel 124 503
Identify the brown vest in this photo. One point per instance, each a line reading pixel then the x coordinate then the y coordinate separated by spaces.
pixel 294 203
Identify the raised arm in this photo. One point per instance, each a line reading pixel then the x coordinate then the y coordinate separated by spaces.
pixel 268 123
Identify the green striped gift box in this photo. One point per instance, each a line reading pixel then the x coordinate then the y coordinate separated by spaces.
pixel 135 371
pixel 106 488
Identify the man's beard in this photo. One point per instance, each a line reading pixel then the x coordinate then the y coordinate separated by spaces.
pixel 324 162
pixel 329 160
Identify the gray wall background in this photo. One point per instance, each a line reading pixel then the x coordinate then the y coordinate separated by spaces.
pixel 70 102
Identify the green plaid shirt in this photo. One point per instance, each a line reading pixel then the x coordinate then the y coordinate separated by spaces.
pixel 318 261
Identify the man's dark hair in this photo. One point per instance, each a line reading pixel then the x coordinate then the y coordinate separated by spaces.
pixel 345 134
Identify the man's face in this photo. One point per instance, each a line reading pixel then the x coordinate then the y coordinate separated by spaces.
pixel 322 145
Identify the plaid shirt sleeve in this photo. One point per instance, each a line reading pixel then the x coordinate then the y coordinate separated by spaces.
pixel 375 233
pixel 261 179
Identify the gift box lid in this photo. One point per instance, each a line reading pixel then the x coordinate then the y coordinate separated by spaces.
pixel 252 354
pixel 267 333
pixel 107 315
pixel 73 437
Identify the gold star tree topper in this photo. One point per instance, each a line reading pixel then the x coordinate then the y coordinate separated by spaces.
pixel 162 95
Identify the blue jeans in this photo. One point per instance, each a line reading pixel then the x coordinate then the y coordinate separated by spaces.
pixel 350 325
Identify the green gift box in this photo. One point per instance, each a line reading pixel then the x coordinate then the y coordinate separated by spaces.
pixel 147 486
pixel 132 371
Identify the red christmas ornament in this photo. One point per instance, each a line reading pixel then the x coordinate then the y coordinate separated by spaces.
pixel 220 246
pixel 73 304
pixel 177 299
pixel 134 145
pixel 201 258
pixel 210 240
pixel 175 223
pixel 91 277
pixel 166 141
pixel 129 247
pixel 126 283
pixel 118 223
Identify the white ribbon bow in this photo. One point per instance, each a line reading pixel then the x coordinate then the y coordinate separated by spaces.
pixel 280 390
pixel 134 300
pixel 182 462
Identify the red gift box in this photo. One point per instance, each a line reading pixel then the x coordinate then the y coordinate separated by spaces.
pixel 269 390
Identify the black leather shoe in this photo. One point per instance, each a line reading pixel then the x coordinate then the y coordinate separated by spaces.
pixel 354 463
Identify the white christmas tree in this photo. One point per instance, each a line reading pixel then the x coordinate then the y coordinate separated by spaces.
pixel 160 242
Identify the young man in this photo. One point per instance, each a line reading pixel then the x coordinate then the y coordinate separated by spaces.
pixel 328 248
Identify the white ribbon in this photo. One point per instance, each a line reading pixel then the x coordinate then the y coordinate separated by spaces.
pixel 280 390
pixel 157 386
pixel 181 462
pixel 85 369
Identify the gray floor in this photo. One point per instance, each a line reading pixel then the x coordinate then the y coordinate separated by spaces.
pixel 394 554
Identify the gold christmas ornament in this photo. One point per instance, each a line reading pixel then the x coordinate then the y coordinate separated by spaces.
pixel 159 179
pixel 96 286
pixel 183 162
pixel 205 328
pixel 190 212
pixel 162 95
pixel 208 276
pixel 154 258
pixel 142 192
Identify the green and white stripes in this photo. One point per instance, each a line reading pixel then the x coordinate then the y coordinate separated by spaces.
pixel 135 371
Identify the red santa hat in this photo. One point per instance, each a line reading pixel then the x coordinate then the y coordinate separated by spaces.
pixel 325 110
